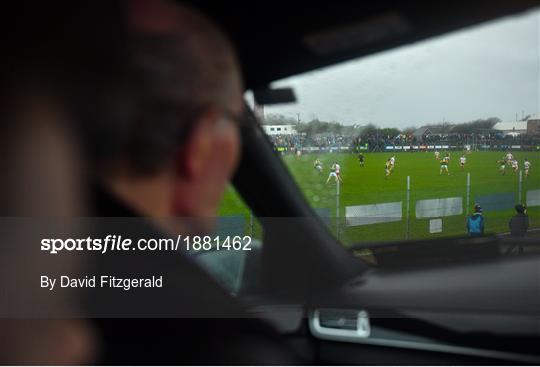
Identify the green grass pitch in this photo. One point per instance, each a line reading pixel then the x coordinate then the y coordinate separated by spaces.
pixel 368 186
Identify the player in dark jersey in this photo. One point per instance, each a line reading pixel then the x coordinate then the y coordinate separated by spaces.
pixel 502 166
pixel 444 166
pixel 387 168
pixel 318 165
pixel 361 160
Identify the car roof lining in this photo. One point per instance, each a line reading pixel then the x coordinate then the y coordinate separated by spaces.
pixel 276 40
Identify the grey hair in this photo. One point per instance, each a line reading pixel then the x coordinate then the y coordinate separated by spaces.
pixel 176 76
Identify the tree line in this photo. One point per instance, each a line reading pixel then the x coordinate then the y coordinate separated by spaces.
pixel 316 126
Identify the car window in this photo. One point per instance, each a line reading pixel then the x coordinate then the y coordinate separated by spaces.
pixel 435 139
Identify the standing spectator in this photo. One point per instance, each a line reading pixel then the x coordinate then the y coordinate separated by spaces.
pixel 475 222
pixel 518 224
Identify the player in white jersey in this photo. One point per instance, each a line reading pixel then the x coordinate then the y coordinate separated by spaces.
pixel 526 166
pixel 332 174
pixel 462 161
pixel 509 157
pixel 338 171
pixel 335 172
pixel 437 155
pixel 515 165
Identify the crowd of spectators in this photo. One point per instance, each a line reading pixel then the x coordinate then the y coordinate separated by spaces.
pixel 298 141
pixel 378 142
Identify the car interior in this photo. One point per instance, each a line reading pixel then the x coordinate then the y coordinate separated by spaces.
pixel 450 301
pixel 442 301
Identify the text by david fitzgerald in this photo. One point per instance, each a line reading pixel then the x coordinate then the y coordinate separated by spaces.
pixel 103 281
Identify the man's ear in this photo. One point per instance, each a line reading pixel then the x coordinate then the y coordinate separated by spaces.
pixel 197 149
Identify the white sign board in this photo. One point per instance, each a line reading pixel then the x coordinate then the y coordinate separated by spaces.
pixel 435 225
pixel 359 215
pixel 439 207
pixel 533 198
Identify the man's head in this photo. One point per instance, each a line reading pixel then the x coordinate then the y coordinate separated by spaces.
pixel 477 208
pixel 188 97
pixel 520 209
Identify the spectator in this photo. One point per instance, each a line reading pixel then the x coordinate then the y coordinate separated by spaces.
pixel 181 148
pixel 519 224
pixel 475 222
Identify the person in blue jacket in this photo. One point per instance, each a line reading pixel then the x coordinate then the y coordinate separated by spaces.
pixel 475 222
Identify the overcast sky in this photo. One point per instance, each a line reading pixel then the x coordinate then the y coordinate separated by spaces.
pixel 484 71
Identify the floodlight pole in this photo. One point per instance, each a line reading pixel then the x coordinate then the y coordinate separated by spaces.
pixel 520 184
pixel 337 209
pixel 467 201
pixel 407 210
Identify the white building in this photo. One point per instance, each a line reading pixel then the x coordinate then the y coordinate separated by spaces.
pixel 533 125
pixel 512 128
pixel 279 129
